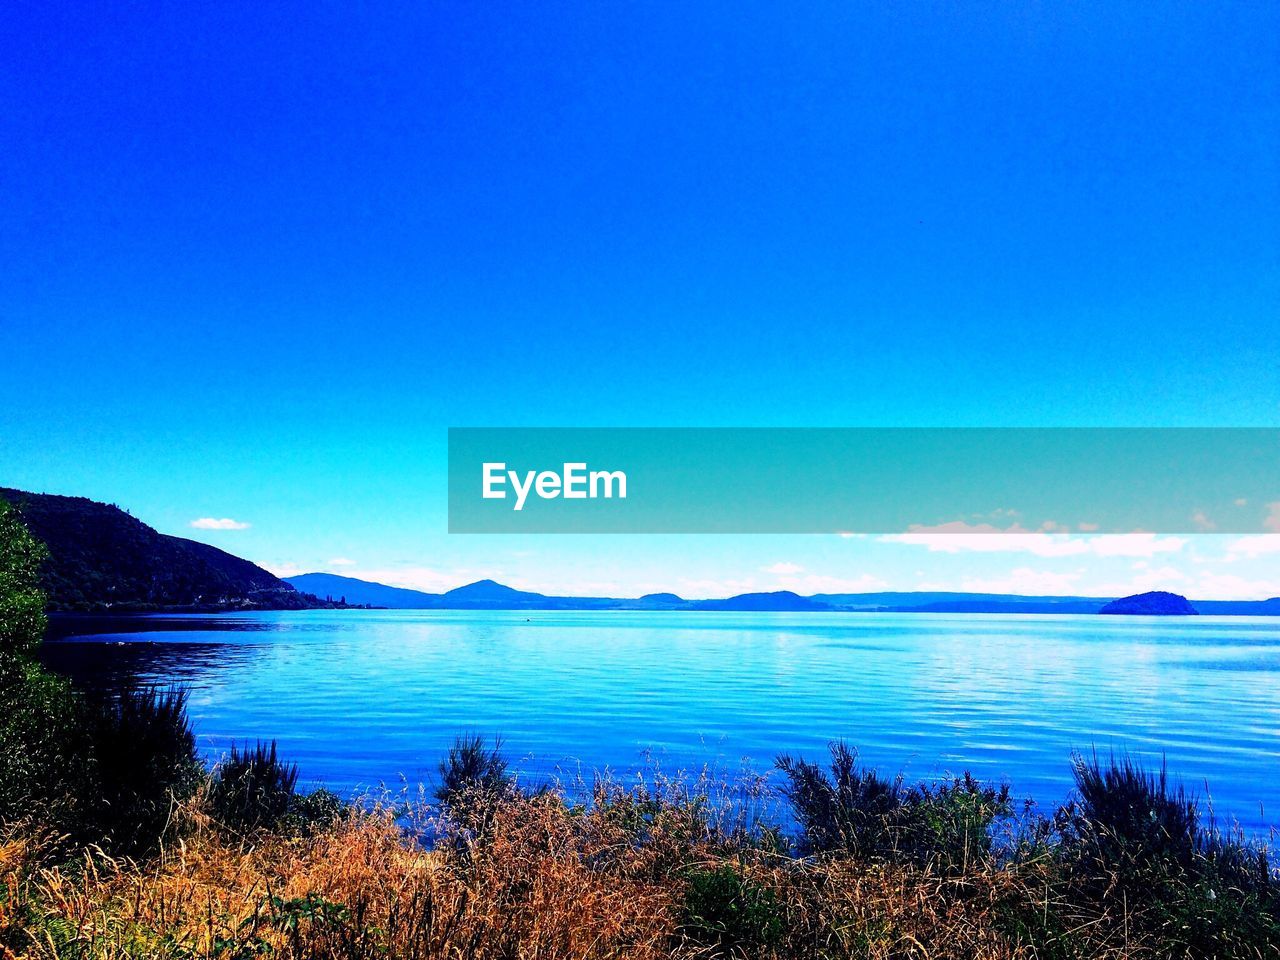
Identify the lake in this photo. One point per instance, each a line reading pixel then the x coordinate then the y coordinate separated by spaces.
pixel 365 697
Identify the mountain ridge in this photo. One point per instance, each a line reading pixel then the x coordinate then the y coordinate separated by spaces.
pixel 470 597
pixel 102 558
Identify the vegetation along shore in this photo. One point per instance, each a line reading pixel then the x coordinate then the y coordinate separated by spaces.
pixel 115 841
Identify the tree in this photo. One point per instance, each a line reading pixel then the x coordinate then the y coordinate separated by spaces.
pixel 22 619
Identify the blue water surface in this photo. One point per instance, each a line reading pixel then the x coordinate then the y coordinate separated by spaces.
pixel 362 698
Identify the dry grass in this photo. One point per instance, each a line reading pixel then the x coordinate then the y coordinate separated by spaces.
pixel 548 881
pixel 554 886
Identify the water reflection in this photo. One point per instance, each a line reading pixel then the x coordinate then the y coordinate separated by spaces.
pixel 136 658
pixel 360 698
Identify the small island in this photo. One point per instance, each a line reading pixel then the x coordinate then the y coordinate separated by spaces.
pixel 1156 603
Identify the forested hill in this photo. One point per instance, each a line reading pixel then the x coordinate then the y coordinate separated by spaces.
pixel 101 558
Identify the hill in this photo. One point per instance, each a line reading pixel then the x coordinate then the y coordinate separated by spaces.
pixel 489 592
pixel 1156 603
pixel 365 592
pixel 1239 608
pixel 659 601
pixel 780 600
pixel 101 558
pixel 490 595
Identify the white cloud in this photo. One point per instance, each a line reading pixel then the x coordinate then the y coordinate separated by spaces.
pixel 960 537
pixel 226 523
pixel 704 589
pixel 341 562
pixel 1253 546
pixel 1201 521
pixel 1134 544
pixel 782 568
pixel 1272 522
pixel 283 570
pixel 1147 578
pixel 1026 581
pixel 1226 586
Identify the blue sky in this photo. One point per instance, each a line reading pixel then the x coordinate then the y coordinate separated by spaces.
pixel 257 258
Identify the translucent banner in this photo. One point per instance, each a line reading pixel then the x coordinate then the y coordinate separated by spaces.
pixel 720 480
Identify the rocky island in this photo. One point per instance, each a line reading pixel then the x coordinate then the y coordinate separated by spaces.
pixel 1156 603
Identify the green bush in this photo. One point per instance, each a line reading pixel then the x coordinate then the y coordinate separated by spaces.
pixel 253 789
pixel 730 913
pixel 45 768
pixel 22 619
pixel 1131 832
pixel 850 810
pixel 470 767
pixel 144 764
pixel 97 769
pixel 104 770
pixel 949 823
pixel 863 814
pixel 1130 819
pixel 311 811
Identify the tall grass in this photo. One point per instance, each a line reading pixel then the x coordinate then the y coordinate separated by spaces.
pixel 878 868
pixel 1135 834
pixel 252 788
pixel 471 767
pixel 860 813
pixel 108 770
pixel 144 764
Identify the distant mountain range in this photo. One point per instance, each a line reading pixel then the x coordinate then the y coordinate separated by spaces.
pixel 488 595
pixel 102 559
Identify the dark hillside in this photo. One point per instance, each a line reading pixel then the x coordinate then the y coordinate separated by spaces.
pixel 101 558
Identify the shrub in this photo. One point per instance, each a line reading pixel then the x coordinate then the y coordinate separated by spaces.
pixel 860 813
pixel 253 789
pixel 471 771
pixel 104 770
pixel 315 810
pixel 144 762
pixel 22 619
pixel 1131 832
pixel 44 766
pixel 950 823
pixel 1131 818
pixel 729 912
pixel 849 810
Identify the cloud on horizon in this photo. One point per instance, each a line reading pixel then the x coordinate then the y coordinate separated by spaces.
pixel 1252 547
pixel 960 537
pixel 782 568
pixel 1022 580
pixel 1272 522
pixel 226 523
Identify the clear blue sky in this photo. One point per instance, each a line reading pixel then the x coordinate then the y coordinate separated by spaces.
pixel 254 259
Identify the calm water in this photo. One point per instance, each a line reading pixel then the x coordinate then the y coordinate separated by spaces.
pixel 361 698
